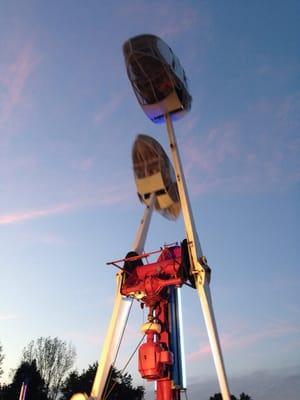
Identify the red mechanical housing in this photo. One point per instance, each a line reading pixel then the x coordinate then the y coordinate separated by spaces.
pixel 150 365
pixel 149 283
pixel 146 282
pixel 153 358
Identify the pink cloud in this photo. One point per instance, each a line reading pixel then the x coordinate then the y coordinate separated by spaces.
pixel 176 20
pixel 51 239
pixel 7 317
pixel 13 79
pixel 202 352
pixel 29 215
pixel 213 149
pixel 242 341
pixel 247 155
pixel 169 21
pixel 111 196
pixel 85 337
pixel 85 164
pixel 108 109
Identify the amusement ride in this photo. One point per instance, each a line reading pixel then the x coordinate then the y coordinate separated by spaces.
pixel 160 85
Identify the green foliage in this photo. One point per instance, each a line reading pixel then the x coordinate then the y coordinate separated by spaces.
pixel 119 385
pixel 28 373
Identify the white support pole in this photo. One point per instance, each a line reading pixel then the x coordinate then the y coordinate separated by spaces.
pixel 191 232
pixel 139 243
pixel 211 326
pixel 23 391
pixel 112 340
pixel 120 314
pixel 199 270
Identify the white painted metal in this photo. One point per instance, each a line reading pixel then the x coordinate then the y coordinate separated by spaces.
pixel 139 243
pixel 112 341
pixel 191 232
pixel 199 270
pixel 211 326
pixel 23 390
pixel 120 313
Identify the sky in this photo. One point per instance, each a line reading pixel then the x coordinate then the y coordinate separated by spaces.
pixel 68 204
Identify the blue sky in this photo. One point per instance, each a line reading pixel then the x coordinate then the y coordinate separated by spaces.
pixel 68 118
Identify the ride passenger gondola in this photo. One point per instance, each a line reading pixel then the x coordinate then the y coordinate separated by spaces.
pixel 157 77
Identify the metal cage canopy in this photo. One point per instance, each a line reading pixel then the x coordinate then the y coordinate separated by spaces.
pixel 157 77
pixel 154 173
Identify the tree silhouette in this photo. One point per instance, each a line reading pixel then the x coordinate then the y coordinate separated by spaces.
pixel 1 359
pixel 54 359
pixel 28 373
pixel 118 387
pixel 243 396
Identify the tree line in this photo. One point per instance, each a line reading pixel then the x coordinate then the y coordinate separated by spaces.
pixel 46 368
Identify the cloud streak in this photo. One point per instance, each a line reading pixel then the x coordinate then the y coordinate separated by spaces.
pixel 108 109
pixel 169 21
pixel 230 342
pixel 245 156
pixel 264 385
pixel 8 317
pixel 13 80
pixel 17 217
pixel 111 196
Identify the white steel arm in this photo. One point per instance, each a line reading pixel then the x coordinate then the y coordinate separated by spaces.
pixel 120 314
pixel 112 340
pixel 200 270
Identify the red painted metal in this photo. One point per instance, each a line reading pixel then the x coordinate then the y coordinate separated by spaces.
pixel 149 283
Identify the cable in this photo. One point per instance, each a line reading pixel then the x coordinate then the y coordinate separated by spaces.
pixel 186 396
pixel 126 365
pixel 114 361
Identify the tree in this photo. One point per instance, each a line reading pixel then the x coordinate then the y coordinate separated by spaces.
pixel 29 374
pixel 218 396
pixel 243 396
pixel 54 359
pixel 119 385
pixel 75 383
pixel 1 360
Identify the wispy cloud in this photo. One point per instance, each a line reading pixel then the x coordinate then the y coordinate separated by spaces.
pixel 246 155
pixel 176 20
pixel 108 109
pixel 242 340
pixel 7 317
pixel 169 21
pixel 83 165
pixel 51 239
pixel 13 80
pixel 110 196
pixel 275 384
pixel 200 353
pixel 213 149
pixel 85 337
pixel 29 215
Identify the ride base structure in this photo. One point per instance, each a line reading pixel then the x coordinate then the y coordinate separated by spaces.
pixel 160 85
